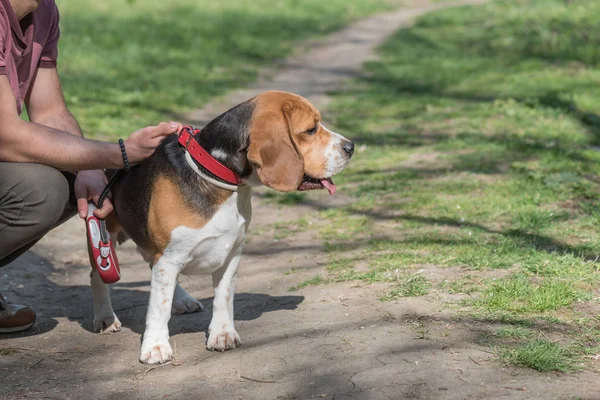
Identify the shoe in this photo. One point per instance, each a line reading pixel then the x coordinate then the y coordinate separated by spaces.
pixel 15 317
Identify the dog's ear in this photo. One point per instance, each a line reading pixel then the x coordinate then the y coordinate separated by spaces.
pixel 273 152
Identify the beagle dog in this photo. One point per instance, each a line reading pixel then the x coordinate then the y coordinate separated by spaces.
pixel 185 219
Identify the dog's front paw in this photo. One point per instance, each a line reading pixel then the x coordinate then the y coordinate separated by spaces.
pixel 157 352
pixel 223 339
pixel 106 324
pixel 183 303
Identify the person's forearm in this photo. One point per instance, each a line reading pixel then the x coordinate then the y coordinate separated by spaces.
pixel 61 120
pixel 22 141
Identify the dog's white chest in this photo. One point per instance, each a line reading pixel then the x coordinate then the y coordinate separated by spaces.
pixel 213 245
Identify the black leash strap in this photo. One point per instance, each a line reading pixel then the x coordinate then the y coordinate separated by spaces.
pixel 116 176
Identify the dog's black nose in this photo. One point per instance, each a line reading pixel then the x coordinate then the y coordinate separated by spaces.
pixel 348 148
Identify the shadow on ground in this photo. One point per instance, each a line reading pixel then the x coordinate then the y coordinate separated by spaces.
pixel 129 300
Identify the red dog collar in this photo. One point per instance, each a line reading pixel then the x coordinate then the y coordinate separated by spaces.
pixel 188 140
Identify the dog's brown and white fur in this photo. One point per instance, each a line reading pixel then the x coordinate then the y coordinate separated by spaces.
pixel 184 224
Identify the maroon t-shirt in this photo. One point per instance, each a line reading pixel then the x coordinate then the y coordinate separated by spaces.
pixel 27 45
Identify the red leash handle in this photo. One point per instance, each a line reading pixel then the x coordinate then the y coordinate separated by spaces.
pixel 187 139
pixel 104 257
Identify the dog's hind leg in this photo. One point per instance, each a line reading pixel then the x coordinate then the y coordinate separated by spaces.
pixel 105 320
pixel 222 333
pixel 184 303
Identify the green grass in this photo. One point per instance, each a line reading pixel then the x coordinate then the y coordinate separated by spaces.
pixel 541 355
pixel 410 286
pixel 476 135
pixel 131 63
pixel 342 225
pixel 464 284
pixel 481 167
pixel 285 198
pixel 317 280
pixel 518 294
pixel 514 332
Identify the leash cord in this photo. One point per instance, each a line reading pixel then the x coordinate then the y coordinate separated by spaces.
pixel 106 190
pixel 112 181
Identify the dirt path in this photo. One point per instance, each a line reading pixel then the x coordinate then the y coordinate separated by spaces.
pixel 336 341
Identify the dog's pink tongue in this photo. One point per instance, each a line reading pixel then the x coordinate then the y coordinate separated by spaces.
pixel 329 185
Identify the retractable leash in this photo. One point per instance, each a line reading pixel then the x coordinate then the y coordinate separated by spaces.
pixel 104 256
pixel 103 252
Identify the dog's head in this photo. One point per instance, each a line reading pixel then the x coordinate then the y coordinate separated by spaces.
pixel 277 139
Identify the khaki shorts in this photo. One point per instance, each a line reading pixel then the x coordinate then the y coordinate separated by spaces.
pixel 34 199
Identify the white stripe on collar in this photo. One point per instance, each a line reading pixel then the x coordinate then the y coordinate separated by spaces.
pixel 192 163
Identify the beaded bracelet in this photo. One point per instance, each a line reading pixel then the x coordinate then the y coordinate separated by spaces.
pixel 124 154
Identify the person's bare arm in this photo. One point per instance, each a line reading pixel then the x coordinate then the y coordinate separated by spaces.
pixel 22 141
pixel 54 138
pixel 46 106
pixel 46 103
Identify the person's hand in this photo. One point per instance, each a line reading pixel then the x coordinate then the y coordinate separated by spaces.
pixel 88 186
pixel 142 143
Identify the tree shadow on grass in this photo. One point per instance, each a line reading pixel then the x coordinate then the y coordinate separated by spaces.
pixel 525 238
pixel 425 64
pixel 417 137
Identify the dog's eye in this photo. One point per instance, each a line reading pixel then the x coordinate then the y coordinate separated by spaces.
pixel 312 131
